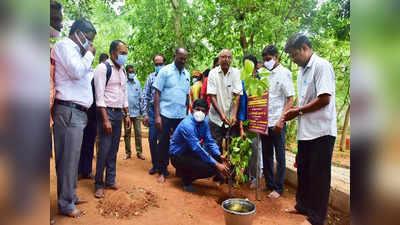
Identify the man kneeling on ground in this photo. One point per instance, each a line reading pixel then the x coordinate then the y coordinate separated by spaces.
pixel 192 160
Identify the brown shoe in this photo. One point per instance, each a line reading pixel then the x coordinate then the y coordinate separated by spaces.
pixel 76 213
pixel 114 187
pixel 140 156
pixel 99 193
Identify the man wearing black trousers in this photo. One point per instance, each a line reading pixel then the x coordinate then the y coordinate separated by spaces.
pixel 89 138
pixel 317 129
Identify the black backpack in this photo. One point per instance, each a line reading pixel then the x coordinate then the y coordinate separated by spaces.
pixel 92 110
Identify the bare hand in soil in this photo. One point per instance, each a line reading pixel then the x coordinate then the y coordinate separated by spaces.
pixel 222 169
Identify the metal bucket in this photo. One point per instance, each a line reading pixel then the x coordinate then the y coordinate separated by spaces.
pixel 238 218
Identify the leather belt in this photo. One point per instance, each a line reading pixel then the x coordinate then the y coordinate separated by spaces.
pixel 114 109
pixel 70 104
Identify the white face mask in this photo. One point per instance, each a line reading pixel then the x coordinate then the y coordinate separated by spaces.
pixel 54 33
pixel 199 116
pixel 269 64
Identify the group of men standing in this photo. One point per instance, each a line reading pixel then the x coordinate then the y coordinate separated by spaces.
pixel 90 103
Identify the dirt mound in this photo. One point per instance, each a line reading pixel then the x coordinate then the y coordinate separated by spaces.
pixel 127 202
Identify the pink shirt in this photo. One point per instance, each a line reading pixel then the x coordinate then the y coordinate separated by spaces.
pixel 115 94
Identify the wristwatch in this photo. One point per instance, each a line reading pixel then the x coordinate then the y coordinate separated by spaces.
pixel 300 112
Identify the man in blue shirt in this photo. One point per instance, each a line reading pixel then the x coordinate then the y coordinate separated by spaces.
pixel 135 110
pixel 148 113
pixel 171 104
pixel 192 160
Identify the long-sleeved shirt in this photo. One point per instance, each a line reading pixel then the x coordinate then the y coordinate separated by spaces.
pixel 148 93
pixel 73 75
pixel 115 94
pixel 187 138
pixel 135 97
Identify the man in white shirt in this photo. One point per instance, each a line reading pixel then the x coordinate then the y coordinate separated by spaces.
pixel 111 101
pixel 280 99
pixel 317 129
pixel 73 57
pixel 224 88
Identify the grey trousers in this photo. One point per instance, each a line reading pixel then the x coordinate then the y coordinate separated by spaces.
pixel 108 150
pixel 68 134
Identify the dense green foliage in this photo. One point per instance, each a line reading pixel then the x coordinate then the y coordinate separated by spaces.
pixel 205 27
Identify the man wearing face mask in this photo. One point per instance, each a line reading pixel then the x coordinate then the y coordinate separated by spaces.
pixel 135 110
pixel 192 160
pixel 171 104
pixel 73 57
pixel 280 99
pixel 112 107
pixel 148 111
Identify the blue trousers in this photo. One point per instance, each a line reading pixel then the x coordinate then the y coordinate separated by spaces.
pixel 168 127
pixel 108 150
pixel 270 143
pixel 87 150
pixel 153 139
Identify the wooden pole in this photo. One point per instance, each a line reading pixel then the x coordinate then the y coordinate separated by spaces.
pixel 258 182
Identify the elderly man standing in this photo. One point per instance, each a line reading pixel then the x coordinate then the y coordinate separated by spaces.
pixel 135 110
pixel 73 57
pixel 224 88
pixel 111 100
pixel 317 129
pixel 171 104
pixel 148 113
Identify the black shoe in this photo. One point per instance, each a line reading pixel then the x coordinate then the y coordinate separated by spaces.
pixel 85 176
pixel 166 173
pixel 152 171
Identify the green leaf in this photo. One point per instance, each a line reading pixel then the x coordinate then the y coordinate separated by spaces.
pixel 248 66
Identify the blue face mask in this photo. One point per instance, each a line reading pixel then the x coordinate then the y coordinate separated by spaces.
pixel 194 80
pixel 158 68
pixel 84 45
pixel 121 60
pixel 131 76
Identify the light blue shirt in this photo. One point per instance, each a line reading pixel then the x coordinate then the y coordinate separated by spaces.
pixel 174 88
pixel 134 97
pixel 187 138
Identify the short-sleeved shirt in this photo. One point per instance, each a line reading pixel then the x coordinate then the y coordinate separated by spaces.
pixel 223 86
pixel 115 93
pixel 280 88
pixel 174 87
pixel 315 79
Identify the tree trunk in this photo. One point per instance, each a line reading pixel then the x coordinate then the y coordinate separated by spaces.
pixel 175 6
pixel 243 40
pixel 344 131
